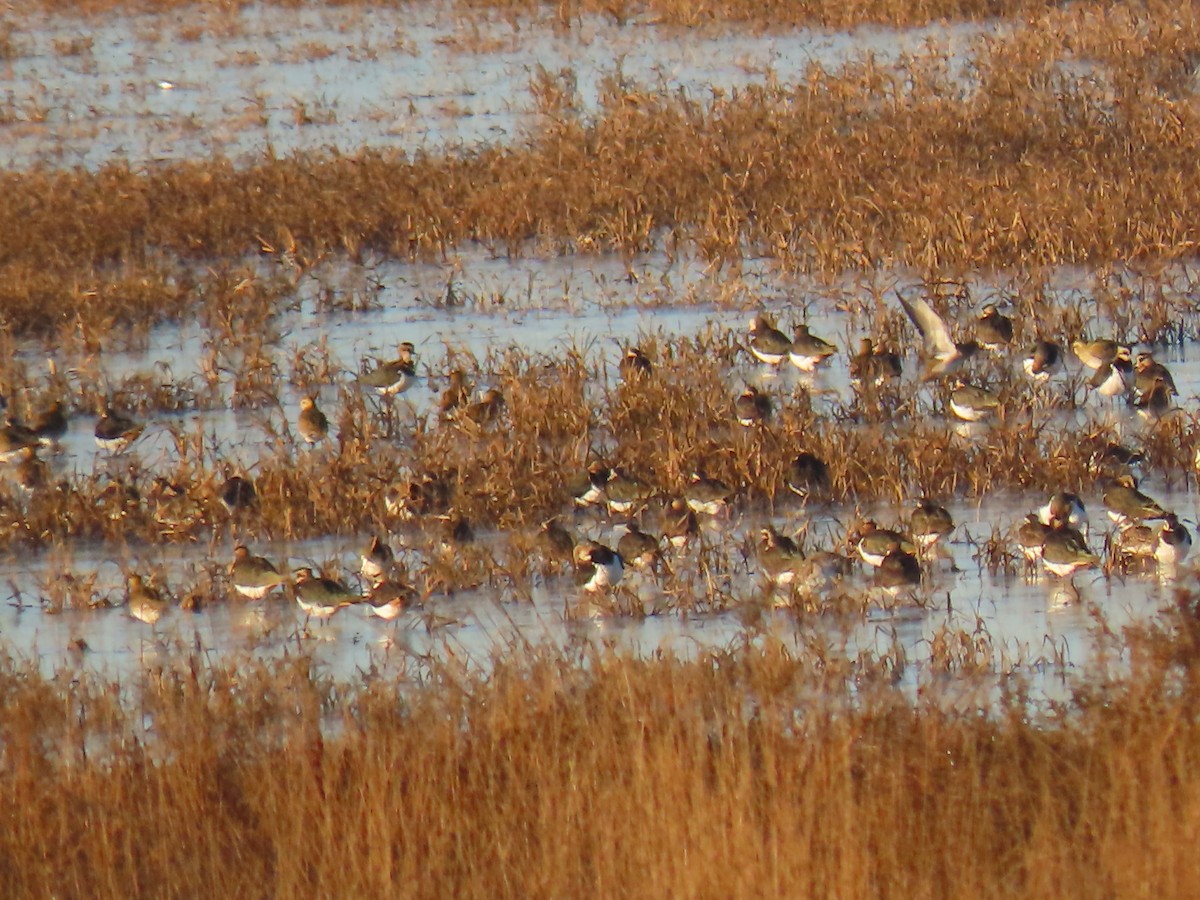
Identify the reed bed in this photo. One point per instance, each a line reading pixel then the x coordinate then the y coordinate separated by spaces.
pixel 561 414
pixel 760 769
pixel 752 770
pixel 1049 167
pixel 772 15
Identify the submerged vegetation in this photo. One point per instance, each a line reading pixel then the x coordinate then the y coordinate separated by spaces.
pixel 1066 138
pixel 1070 140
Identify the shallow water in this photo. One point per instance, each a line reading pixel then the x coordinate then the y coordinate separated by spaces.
pixel 416 78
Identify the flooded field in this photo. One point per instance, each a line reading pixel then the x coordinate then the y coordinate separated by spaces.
pixel 549 311
pixel 493 449
pixel 422 78
pixel 215 401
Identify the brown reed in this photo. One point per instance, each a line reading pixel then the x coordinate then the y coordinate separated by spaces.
pixel 745 771
pixel 828 174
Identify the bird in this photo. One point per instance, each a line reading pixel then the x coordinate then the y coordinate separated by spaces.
pixel 1095 354
pixel 312 424
pixel 389 598
pixel 707 495
pixel 807 475
pixel 1155 402
pixel 779 556
pixel 587 488
pixel 31 473
pixel 898 571
pixel 945 355
pixel 16 441
pixel 768 343
pixel 321 597
pixel 455 531
pixel 456 394
pixel 637 548
pixel 1065 507
pixel 376 560
pixel 253 576
pixel 681 525
pixel 1125 503
pixel 808 351
pixel 50 424
pixel 145 603
pixel 395 377
pixel 1111 379
pixel 1031 537
pixel 1042 360
pixel 425 494
pixel 622 491
pixel 597 567
pixel 929 524
pixel 115 432
pixel 486 409
pixel 971 403
pixel 1065 551
pixel 1174 542
pixel 993 330
pixel 237 493
pixel 874 543
pixel 1136 542
pixel 635 365
pixel 873 366
pixel 555 541
pixel 1149 373
pixel 173 505
pixel 1115 459
pixel 752 407
pixel 818 571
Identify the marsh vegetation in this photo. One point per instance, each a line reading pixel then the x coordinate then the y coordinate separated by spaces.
pixel 297 350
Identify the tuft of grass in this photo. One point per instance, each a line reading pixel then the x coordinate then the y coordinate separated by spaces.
pixel 755 769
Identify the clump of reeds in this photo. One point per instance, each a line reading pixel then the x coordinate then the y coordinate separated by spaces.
pixel 747 770
pixel 831 173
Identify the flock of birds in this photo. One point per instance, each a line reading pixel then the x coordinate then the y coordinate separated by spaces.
pixel 1055 534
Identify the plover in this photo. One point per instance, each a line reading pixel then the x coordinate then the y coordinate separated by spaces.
pixel 973 404
pixel 115 432
pixel 312 424
pixel 145 603
pixel 1125 503
pixel 874 543
pixel 993 330
pixel 321 597
pixel 807 476
pixel 253 576
pixel 808 351
pixel 1065 552
pixel 1042 360
pixel 752 407
pixel 768 343
pixel 872 365
pixel 945 355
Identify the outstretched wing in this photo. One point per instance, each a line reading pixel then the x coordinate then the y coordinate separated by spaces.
pixel 932 328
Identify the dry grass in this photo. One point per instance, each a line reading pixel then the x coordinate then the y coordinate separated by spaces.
pixel 745 772
pixel 515 471
pixel 750 771
pixel 1033 167
pixel 775 14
